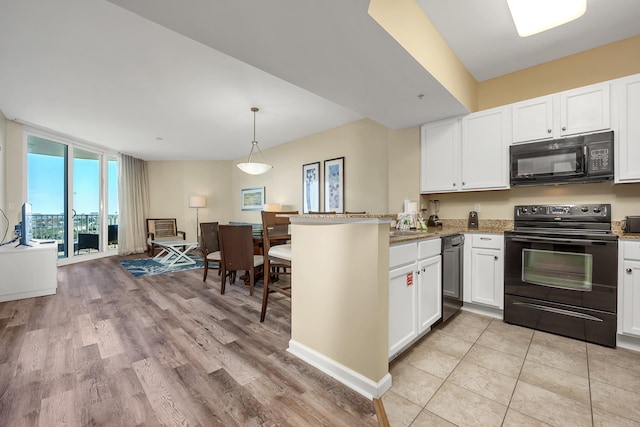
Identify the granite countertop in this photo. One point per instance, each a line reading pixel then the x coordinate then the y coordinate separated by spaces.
pixel 453 226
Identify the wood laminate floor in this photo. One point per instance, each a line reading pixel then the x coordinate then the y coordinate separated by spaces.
pixel 111 349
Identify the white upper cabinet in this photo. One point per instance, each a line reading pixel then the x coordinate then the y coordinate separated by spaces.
pixel 628 135
pixel 533 119
pixel 583 110
pixel 485 145
pixel 440 156
pixel 466 154
pixel 586 109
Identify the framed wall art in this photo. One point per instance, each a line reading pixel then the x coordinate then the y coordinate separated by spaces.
pixel 252 199
pixel 334 185
pixel 311 187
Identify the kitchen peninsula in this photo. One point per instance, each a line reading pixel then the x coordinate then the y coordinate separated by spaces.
pixel 340 300
pixel 340 297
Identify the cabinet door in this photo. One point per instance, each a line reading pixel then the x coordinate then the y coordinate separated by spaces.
pixel 485 144
pixel 487 277
pixel 440 156
pixel 429 292
pixel 533 119
pixel 585 109
pixel 402 307
pixel 628 135
pixel 631 297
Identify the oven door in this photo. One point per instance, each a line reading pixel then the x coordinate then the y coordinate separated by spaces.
pixel 568 270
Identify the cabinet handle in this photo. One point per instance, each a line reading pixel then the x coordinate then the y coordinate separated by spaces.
pixel 424 269
pixel 564 128
pixel 464 183
pixel 454 184
pixel 495 257
pixel 629 270
pixel 548 130
pixel 418 272
pixel 486 238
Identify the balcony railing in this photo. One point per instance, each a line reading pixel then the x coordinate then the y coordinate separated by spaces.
pixel 51 226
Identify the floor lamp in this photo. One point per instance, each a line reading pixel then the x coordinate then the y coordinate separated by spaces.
pixel 197 202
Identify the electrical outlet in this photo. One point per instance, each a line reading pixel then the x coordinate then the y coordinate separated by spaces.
pixel 476 207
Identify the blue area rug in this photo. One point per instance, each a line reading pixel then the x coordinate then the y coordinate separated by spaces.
pixel 149 266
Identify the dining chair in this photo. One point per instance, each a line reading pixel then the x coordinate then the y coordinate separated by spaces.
pixel 236 248
pixel 210 247
pixel 277 249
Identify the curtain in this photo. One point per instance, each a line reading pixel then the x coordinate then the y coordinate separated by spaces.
pixel 133 198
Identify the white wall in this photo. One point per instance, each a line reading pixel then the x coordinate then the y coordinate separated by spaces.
pixel 3 198
pixel 363 144
pixel 172 182
pixel 624 198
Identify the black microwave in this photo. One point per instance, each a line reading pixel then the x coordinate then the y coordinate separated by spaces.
pixel 584 158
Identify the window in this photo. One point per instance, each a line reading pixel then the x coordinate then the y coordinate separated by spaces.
pixel 74 202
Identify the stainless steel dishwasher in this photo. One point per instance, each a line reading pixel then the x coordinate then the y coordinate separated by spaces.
pixel 451 275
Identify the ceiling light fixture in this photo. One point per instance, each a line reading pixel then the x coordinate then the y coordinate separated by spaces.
pixel 254 168
pixel 534 16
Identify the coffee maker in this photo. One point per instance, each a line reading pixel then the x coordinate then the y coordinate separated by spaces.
pixel 433 220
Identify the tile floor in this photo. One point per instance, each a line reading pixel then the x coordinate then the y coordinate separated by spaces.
pixel 479 371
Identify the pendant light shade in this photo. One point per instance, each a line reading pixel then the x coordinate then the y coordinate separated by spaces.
pixel 254 168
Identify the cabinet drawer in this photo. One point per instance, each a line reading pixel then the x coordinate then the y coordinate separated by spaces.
pixel 631 249
pixel 429 248
pixel 402 254
pixel 487 241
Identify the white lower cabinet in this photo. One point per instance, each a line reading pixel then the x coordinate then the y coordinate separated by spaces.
pixel 429 292
pixel 415 291
pixel 484 270
pixel 629 295
pixel 403 327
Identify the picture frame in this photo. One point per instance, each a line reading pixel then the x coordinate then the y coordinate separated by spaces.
pixel 334 185
pixel 252 199
pixel 311 187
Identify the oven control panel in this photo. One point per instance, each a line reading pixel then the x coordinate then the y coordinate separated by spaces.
pixel 560 212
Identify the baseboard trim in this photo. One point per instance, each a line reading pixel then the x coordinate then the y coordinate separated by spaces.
pixel 352 379
pixel 628 342
pixel 496 313
pixel 29 294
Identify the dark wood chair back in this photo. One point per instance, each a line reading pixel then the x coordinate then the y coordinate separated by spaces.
pixel 210 247
pixel 275 231
pixel 236 248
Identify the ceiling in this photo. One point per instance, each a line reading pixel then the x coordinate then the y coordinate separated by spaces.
pixel 161 81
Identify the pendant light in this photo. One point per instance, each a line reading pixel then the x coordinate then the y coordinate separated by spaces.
pixel 254 168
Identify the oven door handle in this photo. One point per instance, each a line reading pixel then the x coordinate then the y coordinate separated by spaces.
pixel 558 311
pixel 534 239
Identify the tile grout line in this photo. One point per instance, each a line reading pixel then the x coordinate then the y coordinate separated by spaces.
pixel 445 380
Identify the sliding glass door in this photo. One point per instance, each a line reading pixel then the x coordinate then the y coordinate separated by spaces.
pixel 47 190
pixel 74 195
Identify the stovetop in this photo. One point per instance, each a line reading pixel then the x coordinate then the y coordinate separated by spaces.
pixel 588 220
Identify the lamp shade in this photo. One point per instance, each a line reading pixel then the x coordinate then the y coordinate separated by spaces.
pixel 272 207
pixel 197 202
pixel 253 168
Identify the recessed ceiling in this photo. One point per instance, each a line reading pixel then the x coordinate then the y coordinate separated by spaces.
pixel 484 37
pixel 160 80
